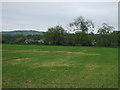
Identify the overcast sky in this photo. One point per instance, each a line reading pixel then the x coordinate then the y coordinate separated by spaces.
pixel 40 16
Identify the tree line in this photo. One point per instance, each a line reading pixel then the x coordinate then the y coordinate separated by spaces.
pixel 105 36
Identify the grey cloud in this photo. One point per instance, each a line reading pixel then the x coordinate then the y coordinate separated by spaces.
pixel 40 15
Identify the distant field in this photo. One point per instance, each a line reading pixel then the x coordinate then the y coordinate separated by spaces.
pixel 36 66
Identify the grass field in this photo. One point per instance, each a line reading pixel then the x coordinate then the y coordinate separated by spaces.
pixel 37 66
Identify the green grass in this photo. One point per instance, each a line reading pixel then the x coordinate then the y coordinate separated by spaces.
pixel 36 66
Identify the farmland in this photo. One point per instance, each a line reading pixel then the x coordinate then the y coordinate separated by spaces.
pixel 40 66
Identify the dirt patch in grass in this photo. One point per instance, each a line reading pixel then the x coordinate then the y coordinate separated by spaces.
pixel 54 52
pixel 17 59
pixel 52 65
pixel 4 50
pixel 73 53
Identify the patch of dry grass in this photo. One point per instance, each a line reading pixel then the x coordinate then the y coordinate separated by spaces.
pixel 59 63
pixel 54 52
pixel 91 66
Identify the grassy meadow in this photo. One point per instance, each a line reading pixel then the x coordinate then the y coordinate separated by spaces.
pixel 37 66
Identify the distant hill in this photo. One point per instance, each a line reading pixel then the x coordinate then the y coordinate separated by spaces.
pixel 24 32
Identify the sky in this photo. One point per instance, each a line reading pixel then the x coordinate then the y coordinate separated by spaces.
pixel 43 15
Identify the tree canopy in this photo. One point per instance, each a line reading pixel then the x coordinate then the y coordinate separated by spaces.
pixel 81 24
pixel 55 35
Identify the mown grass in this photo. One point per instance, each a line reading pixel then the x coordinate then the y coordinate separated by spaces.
pixel 37 66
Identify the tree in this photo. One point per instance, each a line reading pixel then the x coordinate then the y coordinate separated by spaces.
pixel 81 24
pixel 8 39
pixel 105 29
pixel 115 39
pixel 82 39
pixel 19 39
pixel 55 35
pixel 104 37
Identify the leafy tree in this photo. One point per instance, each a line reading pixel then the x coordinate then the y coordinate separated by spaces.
pixel 118 36
pixel 115 39
pixel 31 41
pixel 69 39
pixel 105 29
pixel 82 39
pixel 104 38
pixel 8 39
pixel 20 39
pixel 55 35
pixel 81 24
